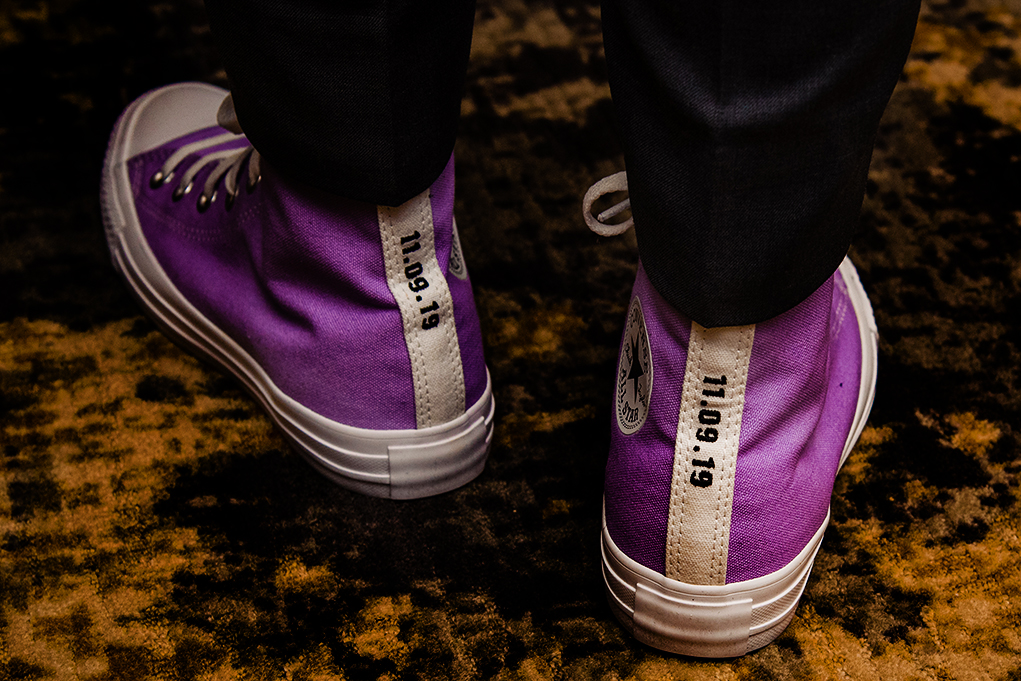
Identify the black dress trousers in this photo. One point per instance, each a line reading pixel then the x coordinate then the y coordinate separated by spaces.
pixel 357 97
pixel 747 126
pixel 748 129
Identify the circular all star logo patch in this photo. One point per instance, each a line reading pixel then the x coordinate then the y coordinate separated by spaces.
pixel 456 263
pixel 634 372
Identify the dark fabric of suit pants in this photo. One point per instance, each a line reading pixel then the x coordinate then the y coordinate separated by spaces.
pixel 747 127
pixel 357 97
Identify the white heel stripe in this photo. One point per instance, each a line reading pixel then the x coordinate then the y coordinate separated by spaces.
pixel 705 453
pixel 427 310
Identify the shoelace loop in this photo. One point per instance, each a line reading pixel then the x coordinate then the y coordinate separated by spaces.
pixel 229 162
pixel 598 223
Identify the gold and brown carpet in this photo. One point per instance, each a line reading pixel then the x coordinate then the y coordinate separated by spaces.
pixel 154 526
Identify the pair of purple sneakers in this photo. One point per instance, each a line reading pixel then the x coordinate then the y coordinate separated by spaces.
pixel 355 327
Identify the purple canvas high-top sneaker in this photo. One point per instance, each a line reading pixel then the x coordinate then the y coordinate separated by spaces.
pixel 724 447
pixel 353 325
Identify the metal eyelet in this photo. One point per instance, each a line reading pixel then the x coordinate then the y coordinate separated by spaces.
pixel 205 202
pixel 181 191
pixel 159 179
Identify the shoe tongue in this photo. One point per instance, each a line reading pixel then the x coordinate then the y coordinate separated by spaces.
pixel 226 117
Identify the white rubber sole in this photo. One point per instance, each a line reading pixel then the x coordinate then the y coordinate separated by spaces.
pixel 398 464
pixel 732 619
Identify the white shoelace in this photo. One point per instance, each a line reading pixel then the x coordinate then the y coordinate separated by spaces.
pixel 598 223
pixel 228 166
pixel 231 160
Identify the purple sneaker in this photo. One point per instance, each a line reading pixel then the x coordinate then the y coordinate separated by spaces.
pixel 723 454
pixel 353 325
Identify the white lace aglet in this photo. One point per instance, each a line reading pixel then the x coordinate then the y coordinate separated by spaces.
pixel 614 211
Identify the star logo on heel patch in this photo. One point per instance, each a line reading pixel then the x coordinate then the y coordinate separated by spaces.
pixel 634 372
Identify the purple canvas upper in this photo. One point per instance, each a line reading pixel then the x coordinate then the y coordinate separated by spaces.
pixel 637 489
pixel 296 277
pixel 799 404
pixel 800 399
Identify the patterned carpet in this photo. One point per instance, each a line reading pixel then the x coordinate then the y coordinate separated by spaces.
pixel 154 526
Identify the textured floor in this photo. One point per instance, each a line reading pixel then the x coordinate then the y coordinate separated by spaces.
pixel 154 526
